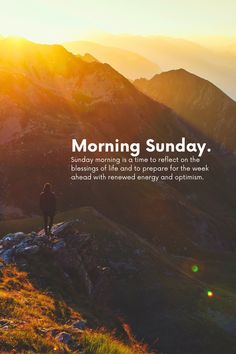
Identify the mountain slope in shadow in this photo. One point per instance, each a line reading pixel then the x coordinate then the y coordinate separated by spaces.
pixel 198 101
pixel 105 271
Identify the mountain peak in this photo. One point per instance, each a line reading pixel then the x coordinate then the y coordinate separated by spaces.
pixel 179 73
pixel 24 46
pixel 197 100
pixel 181 79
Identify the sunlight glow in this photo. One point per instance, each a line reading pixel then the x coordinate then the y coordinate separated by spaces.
pixel 57 21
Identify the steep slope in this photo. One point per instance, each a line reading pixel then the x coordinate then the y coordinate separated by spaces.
pixel 51 95
pixel 48 96
pixel 79 88
pixel 38 321
pixel 174 53
pixel 128 63
pixel 197 100
pixel 98 270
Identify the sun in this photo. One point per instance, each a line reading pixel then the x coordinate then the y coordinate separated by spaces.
pixel 34 36
pixel 33 20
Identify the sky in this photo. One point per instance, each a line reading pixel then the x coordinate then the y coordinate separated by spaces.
pixel 51 21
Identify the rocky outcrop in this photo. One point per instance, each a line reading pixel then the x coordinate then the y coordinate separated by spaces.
pixel 119 275
pixel 74 251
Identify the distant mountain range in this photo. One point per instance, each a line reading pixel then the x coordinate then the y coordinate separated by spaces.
pixel 128 63
pixel 217 66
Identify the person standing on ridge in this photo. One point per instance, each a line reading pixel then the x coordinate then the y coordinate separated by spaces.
pixel 48 207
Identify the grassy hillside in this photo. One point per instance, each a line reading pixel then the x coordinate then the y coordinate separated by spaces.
pixel 29 317
pixel 157 293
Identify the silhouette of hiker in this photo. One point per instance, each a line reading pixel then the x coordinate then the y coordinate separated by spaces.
pixel 48 207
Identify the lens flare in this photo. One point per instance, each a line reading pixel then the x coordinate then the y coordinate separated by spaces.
pixel 210 293
pixel 195 268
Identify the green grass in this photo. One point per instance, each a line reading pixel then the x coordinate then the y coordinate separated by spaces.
pixel 32 313
pixel 105 343
pixel 29 312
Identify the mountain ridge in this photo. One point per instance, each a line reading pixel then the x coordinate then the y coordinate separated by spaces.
pixel 130 64
pixel 173 53
pixel 197 100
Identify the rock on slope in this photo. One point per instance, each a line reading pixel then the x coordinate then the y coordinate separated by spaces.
pixel 36 321
pixel 121 272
